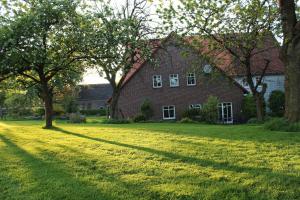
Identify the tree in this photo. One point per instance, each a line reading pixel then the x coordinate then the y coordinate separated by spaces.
pixel 241 29
pixel 118 40
pixel 290 56
pixel 39 45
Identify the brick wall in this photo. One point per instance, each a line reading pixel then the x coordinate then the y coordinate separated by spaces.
pixel 175 58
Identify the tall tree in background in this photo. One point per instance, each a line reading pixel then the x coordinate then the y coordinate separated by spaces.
pixel 39 45
pixel 118 39
pixel 239 28
pixel 291 57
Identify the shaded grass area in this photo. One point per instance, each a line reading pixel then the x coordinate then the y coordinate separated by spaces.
pixel 147 161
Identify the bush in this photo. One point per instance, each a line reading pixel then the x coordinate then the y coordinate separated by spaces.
pixel 139 118
pixel 77 118
pixel 100 112
pixel 210 110
pixel 254 121
pixel 193 114
pixel 116 121
pixel 276 103
pixel 249 107
pixel 281 124
pixel 39 111
pixel 146 109
pixel 58 110
pixel 187 120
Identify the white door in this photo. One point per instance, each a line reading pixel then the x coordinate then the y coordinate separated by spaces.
pixel 225 113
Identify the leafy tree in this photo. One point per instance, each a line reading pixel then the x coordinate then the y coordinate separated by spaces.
pixel 39 45
pixel 118 39
pixel 239 28
pixel 290 18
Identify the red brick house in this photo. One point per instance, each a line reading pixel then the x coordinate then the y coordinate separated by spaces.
pixel 180 79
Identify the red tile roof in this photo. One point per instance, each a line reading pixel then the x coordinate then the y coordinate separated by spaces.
pixel 225 61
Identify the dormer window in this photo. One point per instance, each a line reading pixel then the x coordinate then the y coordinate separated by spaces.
pixel 174 80
pixel 157 81
pixel 191 79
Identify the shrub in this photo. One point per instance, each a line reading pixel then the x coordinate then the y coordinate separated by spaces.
pixel 69 104
pixel 276 103
pixel 58 110
pixel 249 107
pixel 193 114
pixel 139 118
pixel 254 120
pixel 116 121
pixel 210 110
pixel 39 111
pixel 100 112
pixel 77 118
pixel 187 120
pixel 282 124
pixel 146 109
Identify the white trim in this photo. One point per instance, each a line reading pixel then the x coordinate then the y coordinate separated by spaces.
pixel 169 112
pixel 160 81
pixel 193 106
pixel 231 110
pixel 187 79
pixel 176 78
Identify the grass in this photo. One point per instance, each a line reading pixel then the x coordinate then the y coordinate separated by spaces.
pixel 147 161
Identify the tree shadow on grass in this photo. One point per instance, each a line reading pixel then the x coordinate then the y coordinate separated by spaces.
pixel 61 186
pixel 192 160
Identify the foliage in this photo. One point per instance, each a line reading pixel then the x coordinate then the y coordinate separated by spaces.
pixel 146 109
pixel 210 110
pixel 249 107
pixel 76 118
pixel 254 120
pixel 276 103
pixel 39 111
pixel 40 44
pixel 18 104
pixel 239 28
pixel 193 114
pixel 139 118
pixel 282 124
pixel 130 158
pixel 69 104
pixel 100 112
pixel 58 110
pixel 116 39
pixel 187 120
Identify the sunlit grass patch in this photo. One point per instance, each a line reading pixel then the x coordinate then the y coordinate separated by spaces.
pixel 147 161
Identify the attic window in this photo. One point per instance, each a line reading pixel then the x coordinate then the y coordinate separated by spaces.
pixel 174 80
pixel 191 79
pixel 157 81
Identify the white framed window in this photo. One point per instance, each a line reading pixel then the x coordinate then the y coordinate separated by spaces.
pixel 191 79
pixel 174 80
pixel 169 112
pixel 157 81
pixel 195 106
pixel 225 112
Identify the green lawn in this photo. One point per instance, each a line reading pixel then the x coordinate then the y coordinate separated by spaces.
pixel 147 161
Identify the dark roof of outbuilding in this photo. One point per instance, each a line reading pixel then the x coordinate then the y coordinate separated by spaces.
pixel 95 92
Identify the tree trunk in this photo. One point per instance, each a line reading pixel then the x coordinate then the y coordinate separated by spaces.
pixel 292 76
pixel 114 104
pixel 48 103
pixel 259 100
pixel 290 57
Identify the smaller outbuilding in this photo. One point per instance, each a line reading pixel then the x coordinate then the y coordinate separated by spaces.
pixel 94 96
